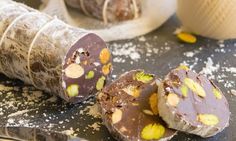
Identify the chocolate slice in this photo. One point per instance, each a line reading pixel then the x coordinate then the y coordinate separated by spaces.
pixel 129 108
pixel 50 54
pixel 191 103
pixel 86 67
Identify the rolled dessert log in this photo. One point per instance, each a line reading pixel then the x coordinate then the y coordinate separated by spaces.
pixel 51 55
pixel 108 10
pixel 191 103
pixel 129 108
pixel 34 134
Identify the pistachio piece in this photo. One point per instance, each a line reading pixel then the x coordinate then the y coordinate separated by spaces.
pixel 173 99
pixel 183 67
pixel 148 112
pixel 153 132
pixel 106 69
pixel 74 71
pixel 195 87
pixel 217 93
pixel 135 104
pixel 132 90
pixel 100 95
pixel 100 83
pixel 153 103
pixel 73 90
pixel 184 90
pixel 90 75
pixel 208 119
pixel 187 38
pixel 116 116
pixel 145 78
pixel 104 56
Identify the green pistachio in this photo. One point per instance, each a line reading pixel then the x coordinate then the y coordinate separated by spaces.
pixel 73 90
pixel 217 93
pixel 208 119
pixel 90 75
pixel 153 132
pixel 184 90
pixel 183 67
pixel 145 78
pixel 195 87
pixel 100 83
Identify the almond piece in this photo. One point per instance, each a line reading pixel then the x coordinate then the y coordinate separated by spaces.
pixel 74 71
pixel 132 90
pixel 173 99
pixel 116 116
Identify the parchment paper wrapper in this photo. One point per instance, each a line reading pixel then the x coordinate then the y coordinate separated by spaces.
pixel 33 134
pixel 49 54
pixel 154 14
pixel 210 18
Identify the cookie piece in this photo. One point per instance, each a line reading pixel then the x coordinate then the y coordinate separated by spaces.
pixel 191 103
pixel 129 108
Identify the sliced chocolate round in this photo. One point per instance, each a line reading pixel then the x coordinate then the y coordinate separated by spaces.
pixel 129 108
pixel 191 103
pixel 83 68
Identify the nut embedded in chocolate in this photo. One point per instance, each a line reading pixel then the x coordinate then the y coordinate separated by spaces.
pixel 129 108
pixel 50 54
pixel 196 105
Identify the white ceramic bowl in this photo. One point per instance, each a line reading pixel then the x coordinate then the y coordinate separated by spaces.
pixel 210 18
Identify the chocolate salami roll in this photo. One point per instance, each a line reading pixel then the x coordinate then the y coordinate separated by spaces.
pixel 33 134
pixel 108 10
pixel 129 108
pixel 51 55
pixel 191 103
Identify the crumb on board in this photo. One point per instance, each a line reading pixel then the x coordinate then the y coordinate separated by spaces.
pixel 93 111
pixel 233 92
pixel 95 126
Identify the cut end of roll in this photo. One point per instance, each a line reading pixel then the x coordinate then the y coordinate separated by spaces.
pixel 85 68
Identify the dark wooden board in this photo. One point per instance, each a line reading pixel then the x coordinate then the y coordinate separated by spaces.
pixel 157 52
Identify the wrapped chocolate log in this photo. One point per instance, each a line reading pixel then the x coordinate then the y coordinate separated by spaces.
pixel 129 108
pixel 33 134
pixel 191 103
pixel 108 10
pixel 122 13
pixel 50 54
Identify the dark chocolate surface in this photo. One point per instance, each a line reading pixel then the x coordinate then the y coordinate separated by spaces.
pixel 160 52
pixel 88 50
pixel 133 107
pixel 190 106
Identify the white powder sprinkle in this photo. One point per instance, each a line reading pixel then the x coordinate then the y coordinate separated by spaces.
pixel 128 50
pixel 18 113
pixel 210 68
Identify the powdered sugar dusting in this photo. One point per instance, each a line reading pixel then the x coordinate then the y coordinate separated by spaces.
pixel 210 68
